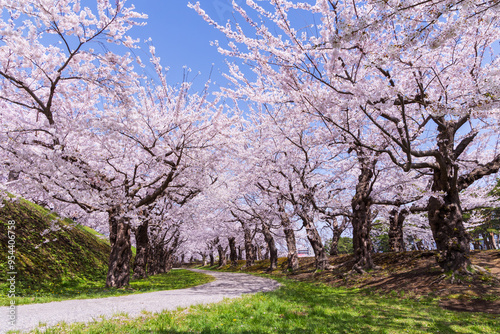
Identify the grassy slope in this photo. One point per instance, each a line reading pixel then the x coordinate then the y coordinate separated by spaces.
pixel 72 265
pixel 71 253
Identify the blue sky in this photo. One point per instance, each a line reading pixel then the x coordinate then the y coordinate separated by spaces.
pixel 182 38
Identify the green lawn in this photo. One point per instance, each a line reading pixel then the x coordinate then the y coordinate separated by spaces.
pixel 299 307
pixel 84 289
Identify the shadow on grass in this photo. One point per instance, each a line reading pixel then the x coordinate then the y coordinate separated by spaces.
pixel 306 308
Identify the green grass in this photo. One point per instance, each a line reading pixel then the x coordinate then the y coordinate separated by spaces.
pixel 299 307
pixel 85 289
pixel 49 251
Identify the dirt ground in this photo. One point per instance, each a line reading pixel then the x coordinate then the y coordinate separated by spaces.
pixel 417 275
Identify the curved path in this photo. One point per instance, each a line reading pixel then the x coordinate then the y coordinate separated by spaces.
pixel 226 285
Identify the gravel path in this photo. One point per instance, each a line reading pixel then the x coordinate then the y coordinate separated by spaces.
pixel 226 285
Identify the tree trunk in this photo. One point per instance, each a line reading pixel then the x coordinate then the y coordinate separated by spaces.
pixel 396 238
pixel 142 250
pixel 240 253
pixel 493 241
pixel 291 243
pixel 121 250
pixel 249 250
pixel 222 256
pixel 452 240
pixel 445 211
pixel 271 246
pixel 320 257
pixel 334 245
pixel 337 232
pixel 212 259
pixel 258 251
pixel 362 218
pixel 233 255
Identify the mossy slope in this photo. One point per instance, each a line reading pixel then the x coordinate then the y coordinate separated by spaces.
pixel 49 250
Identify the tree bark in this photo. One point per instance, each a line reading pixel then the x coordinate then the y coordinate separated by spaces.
pixel 452 240
pixel 121 250
pixel 334 245
pixel 222 255
pixel 336 233
pixel 240 253
pixel 396 237
pixel 362 220
pixel 291 243
pixel 233 255
pixel 493 241
pixel 212 259
pixel 320 257
pixel 142 250
pixel 249 249
pixel 271 246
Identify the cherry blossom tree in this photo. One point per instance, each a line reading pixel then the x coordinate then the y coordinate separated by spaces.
pixel 423 77
pixel 88 130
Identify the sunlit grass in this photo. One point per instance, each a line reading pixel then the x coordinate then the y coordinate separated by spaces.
pixel 84 289
pixel 299 307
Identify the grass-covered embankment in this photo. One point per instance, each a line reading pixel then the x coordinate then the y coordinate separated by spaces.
pixel 299 307
pixel 56 259
pixel 49 251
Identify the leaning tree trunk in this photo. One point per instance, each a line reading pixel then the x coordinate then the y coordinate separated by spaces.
pixel 142 249
pixel 396 238
pixel 271 245
pixel 334 245
pixel 233 255
pixel 291 244
pixel 240 255
pixel 337 232
pixel 320 257
pixel 121 250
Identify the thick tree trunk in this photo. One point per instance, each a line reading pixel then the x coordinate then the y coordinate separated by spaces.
pixel 121 251
pixel 222 256
pixel 249 250
pixel 452 240
pixel 291 243
pixel 271 246
pixel 233 255
pixel 142 250
pixel 396 238
pixel 445 211
pixel 212 259
pixel 362 218
pixel 320 257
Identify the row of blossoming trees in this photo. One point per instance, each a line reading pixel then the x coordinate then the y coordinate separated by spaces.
pixel 379 111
